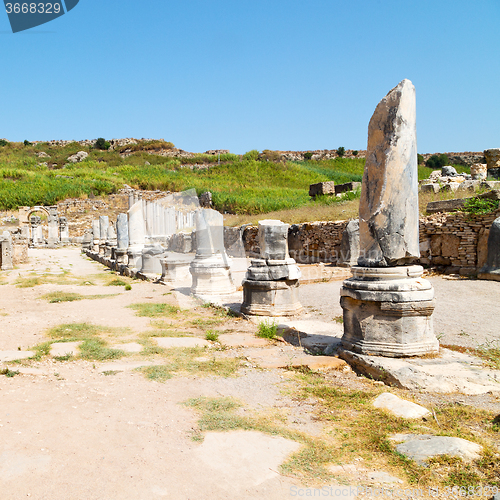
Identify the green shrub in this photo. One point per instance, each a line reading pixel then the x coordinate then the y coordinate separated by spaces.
pixel 102 143
pixel 308 155
pixel 437 161
pixel 27 143
pixel 3 142
pixel 420 159
pixel 355 152
pixel 128 287
pixel 251 155
pixel 267 330
pixel 479 205
pixel 341 151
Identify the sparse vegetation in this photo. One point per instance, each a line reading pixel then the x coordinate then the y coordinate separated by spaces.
pixel 435 162
pixel 153 310
pixel 267 330
pixel 479 205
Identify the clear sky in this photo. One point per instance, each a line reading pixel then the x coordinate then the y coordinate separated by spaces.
pixel 242 75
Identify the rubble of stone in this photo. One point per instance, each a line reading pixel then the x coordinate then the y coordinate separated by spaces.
pixel 387 305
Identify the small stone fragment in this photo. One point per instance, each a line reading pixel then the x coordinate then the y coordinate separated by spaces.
pixel 400 407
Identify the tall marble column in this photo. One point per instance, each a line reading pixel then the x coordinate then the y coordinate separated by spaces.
pixel 387 305
pixel 210 267
pixel 96 235
pixel 103 233
pixel 136 235
pixel 122 238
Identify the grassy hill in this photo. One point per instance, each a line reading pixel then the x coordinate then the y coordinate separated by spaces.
pixel 241 184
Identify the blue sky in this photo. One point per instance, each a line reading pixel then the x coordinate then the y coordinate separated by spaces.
pixel 242 75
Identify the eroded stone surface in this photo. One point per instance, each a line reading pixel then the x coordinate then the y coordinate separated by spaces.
pixel 420 448
pixel 15 355
pixel 492 268
pixel 388 210
pixel 400 407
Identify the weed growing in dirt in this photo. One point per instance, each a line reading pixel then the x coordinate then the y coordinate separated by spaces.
pixel 96 350
pixel 152 310
pixel 267 330
pixel 158 373
pixel 338 319
pixel 55 297
pixel 9 373
pixel 212 335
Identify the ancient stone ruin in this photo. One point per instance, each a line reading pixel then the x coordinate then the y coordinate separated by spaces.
pixel 491 271
pixel 387 305
pixel 271 287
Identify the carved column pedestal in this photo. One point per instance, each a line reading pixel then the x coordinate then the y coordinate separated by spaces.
pixel 271 298
pixel 388 312
pixel 211 276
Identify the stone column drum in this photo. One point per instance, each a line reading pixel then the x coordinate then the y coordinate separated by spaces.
pixel 103 233
pixel 136 235
pixel 121 239
pixel 96 232
pixel 210 267
pixel 387 305
pixel 63 230
pixel 271 287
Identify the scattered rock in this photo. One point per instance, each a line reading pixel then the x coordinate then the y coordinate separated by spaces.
pixel 42 154
pixel 322 188
pixel 400 407
pixel 78 157
pixel 449 171
pixel 449 372
pixel 425 446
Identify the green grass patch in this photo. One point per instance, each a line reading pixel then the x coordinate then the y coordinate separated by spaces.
pixel 152 310
pixel 212 335
pixel 97 350
pixel 158 373
pixel 267 330
pixel 9 373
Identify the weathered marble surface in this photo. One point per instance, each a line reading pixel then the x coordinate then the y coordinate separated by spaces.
pixel 491 271
pixel 349 246
pixel 388 211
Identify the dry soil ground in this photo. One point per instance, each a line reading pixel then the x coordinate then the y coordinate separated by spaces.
pixel 73 428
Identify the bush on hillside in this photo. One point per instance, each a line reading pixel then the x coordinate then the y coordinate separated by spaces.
pixel 251 155
pixel 27 143
pixel 308 155
pixel 420 159
pixel 355 152
pixel 437 161
pixel 102 143
pixel 3 142
pixel 341 151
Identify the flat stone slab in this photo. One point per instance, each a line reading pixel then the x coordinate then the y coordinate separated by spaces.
pixel 448 372
pixel 316 336
pixel 130 347
pixel 123 366
pixel 15 355
pixel 64 348
pixel 400 407
pixel 425 446
pixel 383 477
pixel 169 342
pixel 293 358
pixel 242 340
pixel 251 456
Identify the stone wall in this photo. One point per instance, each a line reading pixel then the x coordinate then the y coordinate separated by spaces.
pixel 467 158
pixel 452 242
pixel 308 243
pixel 457 242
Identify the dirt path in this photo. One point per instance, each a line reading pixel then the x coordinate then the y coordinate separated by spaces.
pixel 101 430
